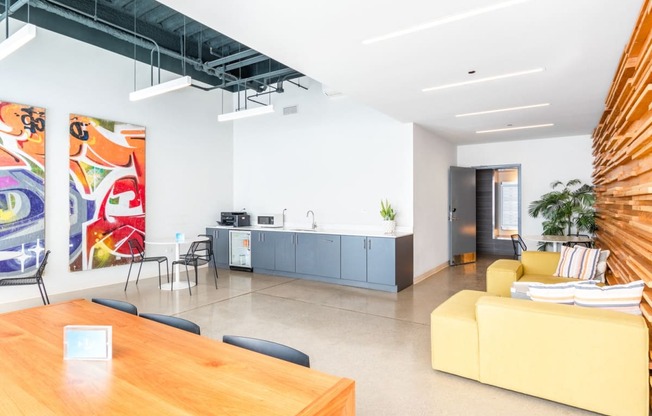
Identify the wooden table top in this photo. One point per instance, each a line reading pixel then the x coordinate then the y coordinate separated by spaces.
pixel 156 369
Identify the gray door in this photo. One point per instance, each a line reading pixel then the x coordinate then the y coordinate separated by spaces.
pixel 461 215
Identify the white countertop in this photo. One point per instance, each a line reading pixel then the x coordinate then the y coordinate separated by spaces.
pixel 318 230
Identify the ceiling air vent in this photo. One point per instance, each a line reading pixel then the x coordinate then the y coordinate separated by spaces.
pixel 290 110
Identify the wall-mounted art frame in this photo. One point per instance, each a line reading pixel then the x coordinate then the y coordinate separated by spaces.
pixel 107 191
pixel 22 188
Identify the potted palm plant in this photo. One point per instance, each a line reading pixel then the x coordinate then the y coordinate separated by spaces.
pixel 389 216
pixel 567 209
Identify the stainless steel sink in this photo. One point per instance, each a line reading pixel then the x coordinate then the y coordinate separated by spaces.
pixel 301 229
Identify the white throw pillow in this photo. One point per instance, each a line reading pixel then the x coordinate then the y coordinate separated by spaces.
pixel 624 298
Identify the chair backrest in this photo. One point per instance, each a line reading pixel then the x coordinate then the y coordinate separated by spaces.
pixel 273 349
pixel 180 323
pixel 202 249
pixel 41 267
pixel 210 239
pixel 135 248
pixel 518 243
pixel 117 304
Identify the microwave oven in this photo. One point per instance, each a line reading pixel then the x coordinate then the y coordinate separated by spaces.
pixel 272 221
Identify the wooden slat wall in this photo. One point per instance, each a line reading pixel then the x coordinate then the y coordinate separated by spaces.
pixel 622 166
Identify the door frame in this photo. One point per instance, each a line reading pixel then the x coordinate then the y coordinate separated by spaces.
pixel 516 166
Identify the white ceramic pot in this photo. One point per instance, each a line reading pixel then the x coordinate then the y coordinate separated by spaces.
pixel 389 226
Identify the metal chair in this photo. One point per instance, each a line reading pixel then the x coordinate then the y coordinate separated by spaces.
pixel 138 256
pixel 273 349
pixel 210 255
pixel 518 244
pixel 198 252
pixel 117 304
pixel 37 280
pixel 180 323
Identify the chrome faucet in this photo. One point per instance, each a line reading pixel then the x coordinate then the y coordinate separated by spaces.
pixel 314 224
pixel 284 209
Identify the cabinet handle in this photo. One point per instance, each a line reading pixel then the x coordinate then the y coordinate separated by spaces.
pixel 369 244
pixel 364 243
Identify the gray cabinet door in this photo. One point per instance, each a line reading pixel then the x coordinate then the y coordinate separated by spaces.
pixel 220 245
pixel 318 254
pixel 381 260
pixel 284 254
pixel 354 258
pixel 262 250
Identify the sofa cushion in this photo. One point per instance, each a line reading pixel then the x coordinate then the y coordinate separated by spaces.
pixel 578 262
pixel 539 262
pixel 624 298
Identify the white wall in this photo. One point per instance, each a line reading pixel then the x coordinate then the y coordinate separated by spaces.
pixel 432 158
pixel 189 155
pixel 542 162
pixel 335 157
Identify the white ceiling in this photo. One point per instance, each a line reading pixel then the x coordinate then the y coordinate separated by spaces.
pixel 578 42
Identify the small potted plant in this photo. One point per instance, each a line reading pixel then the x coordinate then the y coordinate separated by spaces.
pixel 389 215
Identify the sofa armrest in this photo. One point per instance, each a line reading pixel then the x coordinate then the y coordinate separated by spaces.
pixel 501 274
pixel 589 358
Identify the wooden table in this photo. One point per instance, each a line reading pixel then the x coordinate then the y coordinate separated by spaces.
pixel 558 240
pixel 156 370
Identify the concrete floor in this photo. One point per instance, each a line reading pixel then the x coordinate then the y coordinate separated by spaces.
pixel 381 340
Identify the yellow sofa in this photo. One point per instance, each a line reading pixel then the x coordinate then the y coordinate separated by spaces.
pixel 589 358
pixel 534 266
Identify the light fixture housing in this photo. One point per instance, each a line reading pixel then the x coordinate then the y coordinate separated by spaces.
pixel 533 126
pixel 160 88
pixel 257 111
pixel 17 40
pixel 486 79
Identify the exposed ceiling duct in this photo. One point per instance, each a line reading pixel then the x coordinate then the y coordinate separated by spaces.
pixel 159 36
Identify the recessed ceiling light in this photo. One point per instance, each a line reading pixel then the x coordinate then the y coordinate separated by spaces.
pixel 442 21
pixel 534 126
pixel 476 81
pixel 500 110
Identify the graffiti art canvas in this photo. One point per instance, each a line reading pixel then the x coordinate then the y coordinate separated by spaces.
pixel 22 188
pixel 107 191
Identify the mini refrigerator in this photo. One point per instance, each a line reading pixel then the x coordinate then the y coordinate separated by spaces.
pixel 240 250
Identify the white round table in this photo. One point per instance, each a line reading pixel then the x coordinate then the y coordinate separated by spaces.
pixel 176 276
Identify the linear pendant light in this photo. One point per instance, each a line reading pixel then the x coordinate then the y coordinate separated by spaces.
pixel 486 79
pixel 443 21
pixel 501 110
pixel 534 126
pixel 246 113
pixel 160 88
pixel 17 40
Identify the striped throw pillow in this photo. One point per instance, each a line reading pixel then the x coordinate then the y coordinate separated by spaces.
pixel 578 262
pixel 624 298
pixel 563 293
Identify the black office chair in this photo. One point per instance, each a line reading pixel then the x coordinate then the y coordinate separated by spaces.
pixel 138 256
pixel 209 255
pixel 37 280
pixel 518 244
pixel 180 323
pixel 273 349
pixel 117 304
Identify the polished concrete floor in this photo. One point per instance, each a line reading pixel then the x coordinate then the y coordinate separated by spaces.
pixel 381 340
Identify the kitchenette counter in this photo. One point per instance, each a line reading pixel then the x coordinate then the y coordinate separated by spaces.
pixel 353 257
pixel 318 230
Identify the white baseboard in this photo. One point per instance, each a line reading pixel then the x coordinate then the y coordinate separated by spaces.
pixel 430 273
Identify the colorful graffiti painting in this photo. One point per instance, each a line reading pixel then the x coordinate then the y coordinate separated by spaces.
pixel 107 191
pixel 22 188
